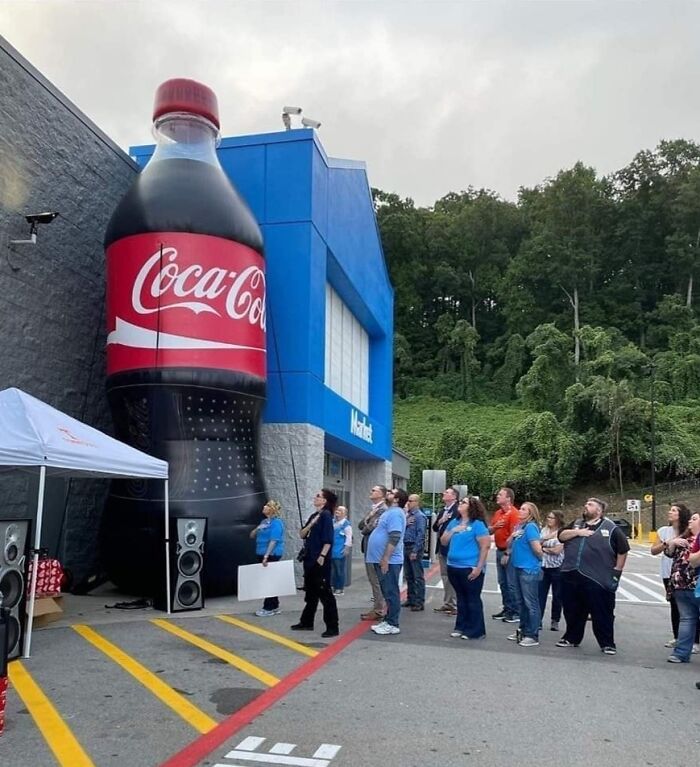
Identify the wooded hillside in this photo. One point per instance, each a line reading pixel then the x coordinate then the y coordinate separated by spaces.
pixel 576 305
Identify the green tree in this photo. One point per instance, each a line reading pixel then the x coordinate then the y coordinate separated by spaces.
pixel 551 372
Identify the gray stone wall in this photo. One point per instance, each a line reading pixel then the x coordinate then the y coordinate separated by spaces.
pixel 280 445
pixel 52 158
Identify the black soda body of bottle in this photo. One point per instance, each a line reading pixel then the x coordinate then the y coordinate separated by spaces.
pixel 186 350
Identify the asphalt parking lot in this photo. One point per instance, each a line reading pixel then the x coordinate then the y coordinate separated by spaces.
pixel 225 688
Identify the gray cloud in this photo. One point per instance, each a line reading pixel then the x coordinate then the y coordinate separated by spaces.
pixel 434 96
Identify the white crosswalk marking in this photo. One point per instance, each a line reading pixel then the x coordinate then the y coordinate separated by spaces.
pixel 632 580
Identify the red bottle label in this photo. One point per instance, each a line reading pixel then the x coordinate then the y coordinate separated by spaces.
pixel 185 300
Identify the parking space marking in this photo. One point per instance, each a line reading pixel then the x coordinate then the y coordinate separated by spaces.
pixel 178 703
pixel 290 643
pixel 58 737
pixel 234 660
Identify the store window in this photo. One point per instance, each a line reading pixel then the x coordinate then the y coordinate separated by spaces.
pixel 347 353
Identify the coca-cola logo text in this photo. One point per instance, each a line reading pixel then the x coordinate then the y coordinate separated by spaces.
pixel 162 280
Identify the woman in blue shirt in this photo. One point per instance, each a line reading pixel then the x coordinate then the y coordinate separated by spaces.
pixel 525 553
pixel 269 547
pixel 469 541
pixel 342 548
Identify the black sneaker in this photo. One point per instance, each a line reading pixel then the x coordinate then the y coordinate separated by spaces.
pixel 499 616
pixel 609 650
pixel 301 627
pixel 510 619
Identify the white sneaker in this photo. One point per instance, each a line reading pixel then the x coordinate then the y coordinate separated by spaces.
pixel 456 634
pixel 696 649
pixel 528 642
pixel 387 628
pixel 339 592
pixel 670 643
pixel 266 613
pixel 375 626
pixel 513 637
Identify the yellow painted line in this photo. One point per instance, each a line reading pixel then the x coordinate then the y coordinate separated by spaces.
pixel 239 663
pixel 178 703
pixel 290 643
pixel 65 747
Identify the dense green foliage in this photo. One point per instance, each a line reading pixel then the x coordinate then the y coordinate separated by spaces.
pixel 574 307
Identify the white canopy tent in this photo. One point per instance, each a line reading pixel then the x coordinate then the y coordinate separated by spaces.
pixel 36 437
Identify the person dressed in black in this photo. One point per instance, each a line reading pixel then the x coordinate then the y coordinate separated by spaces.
pixel 318 536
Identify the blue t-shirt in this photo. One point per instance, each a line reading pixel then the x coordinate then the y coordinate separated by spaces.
pixel 524 558
pixel 271 529
pixel 339 538
pixel 464 548
pixel 393 520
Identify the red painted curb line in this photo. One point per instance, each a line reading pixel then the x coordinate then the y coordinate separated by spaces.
pixel 192 754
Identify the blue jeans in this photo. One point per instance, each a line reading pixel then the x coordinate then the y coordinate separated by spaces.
pixel 389 584
pixel 551 576
pixel 506 577
pixel 338 573
pixel 415 580
pixel 689 609
pixel 470 609
pixel 527 587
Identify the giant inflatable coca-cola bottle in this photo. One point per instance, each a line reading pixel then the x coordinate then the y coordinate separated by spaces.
pixel 186 356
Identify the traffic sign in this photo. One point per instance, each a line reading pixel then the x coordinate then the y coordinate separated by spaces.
pixel 634 505
pixel 648 498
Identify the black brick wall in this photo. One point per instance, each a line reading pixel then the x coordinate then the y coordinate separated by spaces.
pixel 52 293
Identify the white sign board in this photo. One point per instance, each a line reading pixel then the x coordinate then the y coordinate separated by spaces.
pixel 258 582
pixel 634 505
pixel 434 480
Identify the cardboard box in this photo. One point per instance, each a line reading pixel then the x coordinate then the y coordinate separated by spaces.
pixel 47 610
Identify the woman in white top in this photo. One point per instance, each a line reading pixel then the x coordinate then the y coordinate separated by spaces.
pixel 552 558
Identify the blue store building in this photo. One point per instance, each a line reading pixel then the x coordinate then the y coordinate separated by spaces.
pixel 328 418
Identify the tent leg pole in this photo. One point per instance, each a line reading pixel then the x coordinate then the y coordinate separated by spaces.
pixel 35 567
pixel 167 547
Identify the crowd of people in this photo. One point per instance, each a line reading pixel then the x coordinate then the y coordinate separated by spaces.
pixel 580 563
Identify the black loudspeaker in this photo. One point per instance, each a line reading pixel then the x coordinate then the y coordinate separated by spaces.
pixel 4 637
pixel 187 541
pixel 14 534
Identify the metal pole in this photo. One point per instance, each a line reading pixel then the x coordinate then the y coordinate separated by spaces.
pixel 35 560
pixel 167 547
pixel 432 519
pixel 653 452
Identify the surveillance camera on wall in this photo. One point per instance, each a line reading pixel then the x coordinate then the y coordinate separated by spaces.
pixel 291 110
pixel 40 218
pixel 34 219
pixel 307 122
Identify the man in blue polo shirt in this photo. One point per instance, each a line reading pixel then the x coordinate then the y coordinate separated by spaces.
pixel 385 552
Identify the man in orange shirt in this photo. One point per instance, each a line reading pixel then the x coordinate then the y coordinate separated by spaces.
pixel 503 523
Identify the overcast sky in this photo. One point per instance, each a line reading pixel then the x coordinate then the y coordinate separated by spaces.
pixel 433 96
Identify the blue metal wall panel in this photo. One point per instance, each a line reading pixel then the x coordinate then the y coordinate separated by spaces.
pixel 288 190
pixel 245 166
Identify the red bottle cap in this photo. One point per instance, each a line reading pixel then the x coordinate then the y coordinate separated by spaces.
pixel 183 95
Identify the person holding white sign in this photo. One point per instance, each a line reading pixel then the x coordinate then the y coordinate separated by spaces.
pixel 269 547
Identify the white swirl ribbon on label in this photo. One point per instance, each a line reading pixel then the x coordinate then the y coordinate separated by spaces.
pixel 127 334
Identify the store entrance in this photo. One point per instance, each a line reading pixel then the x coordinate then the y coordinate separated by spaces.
pixel 336 477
